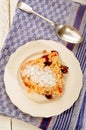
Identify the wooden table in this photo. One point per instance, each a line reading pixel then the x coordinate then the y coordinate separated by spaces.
pixel 7 9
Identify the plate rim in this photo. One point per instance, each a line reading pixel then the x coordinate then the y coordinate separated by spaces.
pixel 12 100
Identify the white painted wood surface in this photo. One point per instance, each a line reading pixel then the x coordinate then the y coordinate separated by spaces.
pixel 7 9
pixel 20 125
pixel 81 1
pixel 4 20
pixel 5 123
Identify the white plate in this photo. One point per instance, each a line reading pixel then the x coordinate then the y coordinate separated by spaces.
pixel 73 81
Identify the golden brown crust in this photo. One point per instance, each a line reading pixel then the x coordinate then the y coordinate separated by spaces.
pixel 49 61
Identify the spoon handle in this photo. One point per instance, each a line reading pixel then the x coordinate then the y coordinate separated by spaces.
pixel 49 21
pixel 28 9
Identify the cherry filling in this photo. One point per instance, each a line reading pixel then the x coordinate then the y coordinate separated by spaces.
pixel 64 69
pixel 55 52
pixel 47 62
pixel 46 57
pixel 48 96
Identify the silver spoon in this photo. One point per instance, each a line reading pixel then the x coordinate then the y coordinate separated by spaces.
pixel 64 32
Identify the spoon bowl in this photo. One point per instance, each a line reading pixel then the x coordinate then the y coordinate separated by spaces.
pixel 63 31
pixel 68 34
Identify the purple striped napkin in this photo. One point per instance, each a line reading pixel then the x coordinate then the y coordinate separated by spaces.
pixel 28 27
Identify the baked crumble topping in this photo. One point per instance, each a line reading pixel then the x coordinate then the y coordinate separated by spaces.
pixel 44 75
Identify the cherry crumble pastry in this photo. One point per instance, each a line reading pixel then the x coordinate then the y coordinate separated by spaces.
pixel 44 75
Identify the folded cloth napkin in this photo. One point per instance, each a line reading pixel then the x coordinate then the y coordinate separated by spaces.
pixel 28 27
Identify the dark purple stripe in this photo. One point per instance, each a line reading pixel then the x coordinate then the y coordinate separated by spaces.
pixel 70 46
pixel 77 22
pixel 44 123
pixel 79 16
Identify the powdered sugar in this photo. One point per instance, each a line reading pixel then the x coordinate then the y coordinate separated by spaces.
pixel 42 76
